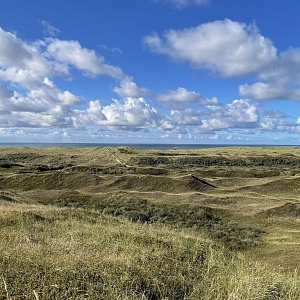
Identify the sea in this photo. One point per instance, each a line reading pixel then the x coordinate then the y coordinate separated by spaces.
pixel 136 146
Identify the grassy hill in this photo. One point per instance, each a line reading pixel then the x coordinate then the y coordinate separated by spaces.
pixel 122 223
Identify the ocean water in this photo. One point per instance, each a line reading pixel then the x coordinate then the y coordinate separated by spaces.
pixel 136 146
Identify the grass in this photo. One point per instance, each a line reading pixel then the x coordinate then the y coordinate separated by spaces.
pixel 93 224
pixel 67 253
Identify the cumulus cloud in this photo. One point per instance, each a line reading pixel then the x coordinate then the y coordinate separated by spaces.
pixel 285 68
pixel 238 114
pixel 182 96
pixel 234 49
pixel 186 117
pixel 72 53
pixel 280 80
pixel 129 88
pixel 184 3
pixel 43 107
pixel 273 124
pixel 21 62
pixel 13 51
pixel 119 115
pixel 36 110
pixel 49 92
pixel 268 91
pixel 32 98
pixel 227 47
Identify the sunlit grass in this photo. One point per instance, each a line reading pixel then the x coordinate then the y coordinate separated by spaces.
pixel 78 254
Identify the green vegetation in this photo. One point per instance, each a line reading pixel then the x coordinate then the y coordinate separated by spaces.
pixel 96 223
pixel 268 161
pixel 67 253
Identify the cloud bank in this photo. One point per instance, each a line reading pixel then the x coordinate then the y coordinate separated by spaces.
pixel 32 99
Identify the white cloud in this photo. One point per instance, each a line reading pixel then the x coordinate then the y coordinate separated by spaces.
pixel 180 98
pixel 267 91
pixel 20 62
pixel 227 47
pixel 32 98
pixel 295 128
pixel 36 101
pixel 72 53
pixel 185 117
pixel 129 113
pixel 242 111
pixel 214 137
pixel 49 92
pixel 260 91
pixel 33 111
pixel 180 95
pixel 238 114
pixel 272 124
pixel 31 119
pixel 129 88
pixel 43 105
pixel 280 80
pixel 184 3
pixel 28 64
pixel 284 69
pixel 235 49
pixel 13 51
pixel 212 101
pixel 167 125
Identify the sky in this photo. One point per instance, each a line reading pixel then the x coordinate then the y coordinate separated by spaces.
pixel 150 71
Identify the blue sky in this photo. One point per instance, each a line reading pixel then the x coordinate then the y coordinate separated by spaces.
pixel 150 71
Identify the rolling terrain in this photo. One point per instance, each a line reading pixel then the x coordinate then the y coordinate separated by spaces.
pixel 244 200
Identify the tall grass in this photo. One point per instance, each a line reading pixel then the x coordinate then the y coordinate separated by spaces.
pixel 68 253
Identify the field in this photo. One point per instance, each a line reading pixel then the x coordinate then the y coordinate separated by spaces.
pixel 121 223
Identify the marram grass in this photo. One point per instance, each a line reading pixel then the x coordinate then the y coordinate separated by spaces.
pixel 67 253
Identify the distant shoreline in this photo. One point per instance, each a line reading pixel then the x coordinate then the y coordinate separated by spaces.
pixel 140 146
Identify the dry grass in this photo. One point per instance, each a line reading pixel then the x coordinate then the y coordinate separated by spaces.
pixel 51 253
pixel 78 224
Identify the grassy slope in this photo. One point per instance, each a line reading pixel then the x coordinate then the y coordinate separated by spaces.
pixel 78 223
pixel 67 253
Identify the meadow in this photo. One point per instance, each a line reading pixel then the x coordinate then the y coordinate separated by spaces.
pixel 122 223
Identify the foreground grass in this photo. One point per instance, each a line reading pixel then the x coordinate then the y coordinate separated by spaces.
pixel 69 253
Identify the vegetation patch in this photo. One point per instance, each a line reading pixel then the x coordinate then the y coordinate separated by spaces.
pixel 286 210
pixel 77 254
pixel 203 219
pixel 267 161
